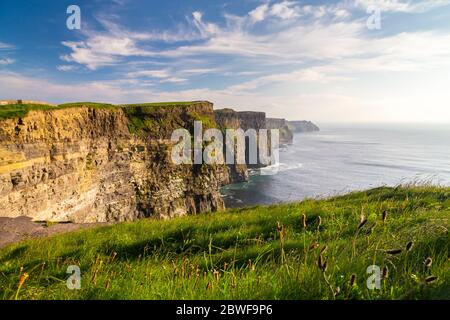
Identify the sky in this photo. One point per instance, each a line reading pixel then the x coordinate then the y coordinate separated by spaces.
pixel 326 61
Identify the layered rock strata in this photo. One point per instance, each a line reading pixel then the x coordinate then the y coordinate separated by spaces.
pixel 90 164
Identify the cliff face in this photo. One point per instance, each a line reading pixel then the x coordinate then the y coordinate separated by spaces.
pixel 227 119
pixel 86 164
pixel 230 119
pixel 302 126
pixel 286 135
pixel 252 120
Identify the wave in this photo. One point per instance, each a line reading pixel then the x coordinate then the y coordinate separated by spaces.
pixel 280 167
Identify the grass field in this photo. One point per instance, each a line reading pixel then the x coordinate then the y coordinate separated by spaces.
pixel 316 249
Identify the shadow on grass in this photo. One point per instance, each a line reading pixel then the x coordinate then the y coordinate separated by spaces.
pixel 192 240
pixel 14 254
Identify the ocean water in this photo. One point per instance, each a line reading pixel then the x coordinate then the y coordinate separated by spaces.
pixel 342 158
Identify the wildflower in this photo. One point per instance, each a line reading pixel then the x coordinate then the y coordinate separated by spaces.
pixel 321 263
pixel 23 278
pixel 385 272
pixel 337 291
pixel 430 279
pixel 279 227
pixel 352 280
pixel 394 251
pixel 362 223
pixel 384 216
pixel 319 222
pixel 409 246
pixel 304 221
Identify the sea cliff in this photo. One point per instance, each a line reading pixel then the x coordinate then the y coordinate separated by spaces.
pixel 92 163
pixel 302 126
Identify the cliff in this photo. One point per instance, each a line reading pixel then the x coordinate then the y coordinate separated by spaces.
pixel 230 119
pixel 302 126
pixel 286 135
pixel 93 163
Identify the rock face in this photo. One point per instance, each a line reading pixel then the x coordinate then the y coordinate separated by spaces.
pixel 302 126
pixel 87 164
pixel 230 119
pixel 286 135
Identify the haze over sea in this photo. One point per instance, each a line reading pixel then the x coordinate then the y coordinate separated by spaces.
pixel 348 157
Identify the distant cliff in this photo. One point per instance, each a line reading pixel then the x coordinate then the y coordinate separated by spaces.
pixel 89 162
pixel 230 119
pixel 302 126
pixel 286 135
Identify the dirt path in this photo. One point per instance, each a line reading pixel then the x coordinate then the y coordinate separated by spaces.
pixel 16 229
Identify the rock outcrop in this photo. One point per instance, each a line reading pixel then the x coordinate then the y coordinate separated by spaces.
pixel 302 126
pixel 93 164
pixel 286 135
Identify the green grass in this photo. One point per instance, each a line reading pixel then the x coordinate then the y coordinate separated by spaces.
pixel 152 117
pixel 163 104
pixel 143 117
pixel 96 105
pixel 238 254
pixel 13 111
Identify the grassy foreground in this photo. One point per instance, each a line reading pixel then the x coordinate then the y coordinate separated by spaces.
pixel 254 253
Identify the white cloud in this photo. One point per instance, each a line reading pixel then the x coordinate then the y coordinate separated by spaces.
pixel 285 10
pixel 82 53
pixel 6 61
pixel 173 80
pixel 102 50
pixel 259 13
pixel 342 13
pixel 164 73
pixel 66 68
pixel 6 46
pixel 402 6
pixel 171 75
pixel 201 71
pixel 296 41
pixel 206 29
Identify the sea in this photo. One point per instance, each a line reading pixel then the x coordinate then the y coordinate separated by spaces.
pixel 341 158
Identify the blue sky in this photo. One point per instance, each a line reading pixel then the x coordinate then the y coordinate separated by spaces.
pixel 313 60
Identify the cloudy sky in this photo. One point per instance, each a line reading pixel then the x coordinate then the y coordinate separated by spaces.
pixel 317 60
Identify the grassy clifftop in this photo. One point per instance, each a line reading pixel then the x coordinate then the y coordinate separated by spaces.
pixel 141 117
pixel 12 111
pixel 316 249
